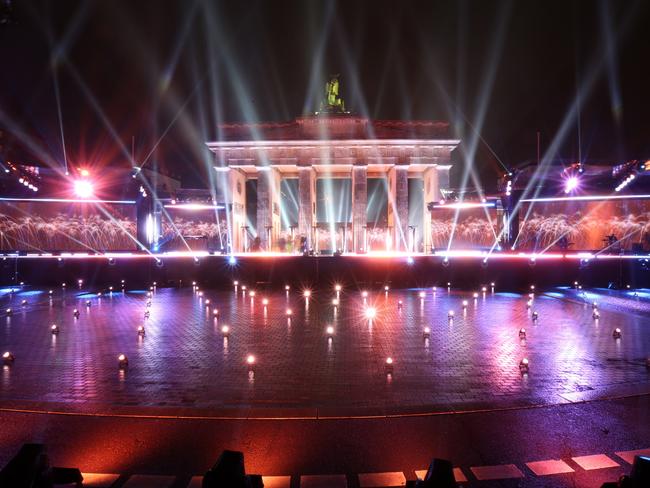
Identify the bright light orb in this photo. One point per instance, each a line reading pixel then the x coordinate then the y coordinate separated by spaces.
pixel 386 288
pixel 571 184
pixel 371 313
pixel 54 329
pixel 389 361
pixel 287 288
pixel 364 294
pixel 465 303
pixel 265 301
pixel 251 293
pixel 335 302
pixel 83 188
pixel 225 330
pixel 306 293
pixel 422 294
pixel 330 330
pixel 141 330
pixel 337 288
pixel 617 333
pixel 289 312
pixel 450 314
pixel 250 359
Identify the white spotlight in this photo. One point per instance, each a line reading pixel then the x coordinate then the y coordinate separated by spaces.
pixel 524 366
pixel 122 361
pixel 371 313
pixel 225 330
pixel 54 329
pixel 141 330
pixel 617 333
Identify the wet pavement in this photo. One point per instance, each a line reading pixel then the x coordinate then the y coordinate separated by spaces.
pixel 185 365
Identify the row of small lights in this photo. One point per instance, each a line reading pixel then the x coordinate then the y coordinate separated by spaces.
pixel 370 314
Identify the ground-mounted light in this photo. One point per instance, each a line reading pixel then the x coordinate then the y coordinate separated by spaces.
pixel 594 305
pixel 386 288
pixel 337 288
pixel 448 285
pixel 595 315
pixel 335 302
pixel 535 316
pixel 63 285
pixel 524 366
pixel 8 358
pixel 450 315
pixel 23 302
pixel 243 288
pixel 532 287
pixel 474 295
pixel 492 285
pixel 399 304
pixel 371 313
pixel 251 293
pixel 250 361
pixel 215 311
pixel 193 283
pixel 88 303
pixel 531 295
pixel 617 333
pixel 141 331
pixel 306 293
pixel 426 332
pixel 200 293
pixel 288 312
pixel 225 330
pixel 329 331
pixel 522 333
pixel 529 303
pixel 151 288
pixel 388 365
pixel 207 302
pixel 80 282
pixel 422 294
pixel 364 294
pixel 50 292
pixel 287 288
pixel 54 329
pixel 235 283
pixel 149 294
pixel 484 289
pixel 75 312
pixel 265 301
pixel 110 288
pixel 9 311
pixel 122 361
pixel 465 303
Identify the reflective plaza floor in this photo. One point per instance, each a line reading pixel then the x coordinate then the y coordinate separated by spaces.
pixel 185 365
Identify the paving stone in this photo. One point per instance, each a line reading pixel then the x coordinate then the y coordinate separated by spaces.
pixel 628 456
pixel 498 472
pixel 553 466
pixel 595 461
pixel 395 478
pixel 459 475
pixel 276 481
pixel 99 480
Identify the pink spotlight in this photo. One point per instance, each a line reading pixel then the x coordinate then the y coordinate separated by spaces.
pixel 83 188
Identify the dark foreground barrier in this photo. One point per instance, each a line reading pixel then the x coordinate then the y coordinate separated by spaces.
pixel 270 271
pixel 638 478
pixel 30 468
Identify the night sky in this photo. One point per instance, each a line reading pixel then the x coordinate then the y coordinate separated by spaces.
pixel 170 71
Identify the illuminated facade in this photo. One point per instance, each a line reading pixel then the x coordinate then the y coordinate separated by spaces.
pixel 331 145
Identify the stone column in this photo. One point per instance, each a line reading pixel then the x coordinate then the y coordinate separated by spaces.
pixel 399 199
pixel 431 194
pixel 231 188
pixel 306 202
pixel 268 209
pixel 359 207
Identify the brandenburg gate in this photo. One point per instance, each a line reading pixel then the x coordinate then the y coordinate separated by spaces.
pixel 331 143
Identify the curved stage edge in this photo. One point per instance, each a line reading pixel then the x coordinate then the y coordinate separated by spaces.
pixel 274 271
